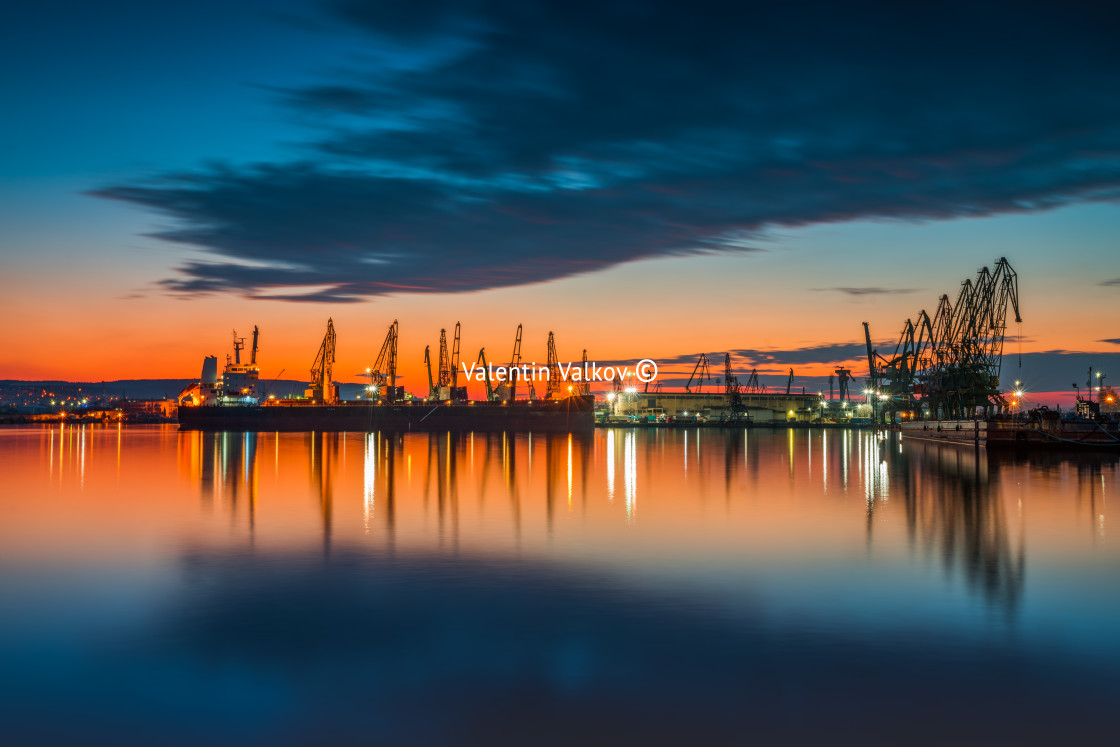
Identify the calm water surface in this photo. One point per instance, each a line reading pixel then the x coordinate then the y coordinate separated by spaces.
pixel 664 587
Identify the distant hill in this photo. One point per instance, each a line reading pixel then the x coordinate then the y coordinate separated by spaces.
pixel 168 388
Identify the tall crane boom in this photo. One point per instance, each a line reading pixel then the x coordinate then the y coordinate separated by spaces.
pixel 433 391
pixel 444 360
pixel 253 354
pixel 552 391
pixel 455 362
pixel 704 373
pixel 731 384
pixel 950 363
pixel 322 387
pixel 383 373
pixel 514 363
pixel 491 395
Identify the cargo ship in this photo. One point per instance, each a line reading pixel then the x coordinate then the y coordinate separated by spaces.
pixel 569 415
pixel 233 401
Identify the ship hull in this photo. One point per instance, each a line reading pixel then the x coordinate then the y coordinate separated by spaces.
pixel 570 415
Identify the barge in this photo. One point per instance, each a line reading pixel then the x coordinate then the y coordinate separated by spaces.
pixel 1045 432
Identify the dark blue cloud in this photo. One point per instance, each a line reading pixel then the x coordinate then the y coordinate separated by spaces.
pixel 489 144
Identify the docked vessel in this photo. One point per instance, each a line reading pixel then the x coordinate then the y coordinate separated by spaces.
pixel 1050 432
pixel 232 401
pixel 568 415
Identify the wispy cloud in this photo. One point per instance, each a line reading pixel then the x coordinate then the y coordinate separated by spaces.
pixel 1113 281
pixel 872 291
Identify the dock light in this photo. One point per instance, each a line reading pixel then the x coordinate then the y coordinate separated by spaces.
pixel 368 370
pixel 610 396
pixel 631 390
pixel 569 387
pixel 884 397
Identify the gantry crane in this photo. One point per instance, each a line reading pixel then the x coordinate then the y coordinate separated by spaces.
pixel 433 390
pixel 704 373
pixel 383 373
pixel 950 363
pixel 455 393
pixel 512 371
pixel 444 361
pixel 584 387
pixel 731 384
pixel 552 391
pixel 491 394
pixel 322 388
pixel 843 376
pixel 753 386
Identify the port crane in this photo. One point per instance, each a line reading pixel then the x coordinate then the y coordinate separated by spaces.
pixel 455 394
pixel 584 387
pixel 253 354
pixel 789 383
pixel 383 373
pixel 322 389
pixel 731 384
pixel 444 361
pixel 491 394
pixel 949 363
pixel 552 391
pixel 843 376
pixel 704 373
pixel 512 370
pixel 753 386
pixel 433 391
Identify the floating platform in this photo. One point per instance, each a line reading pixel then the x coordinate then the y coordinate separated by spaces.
pixel 1051 433
pixel 574 414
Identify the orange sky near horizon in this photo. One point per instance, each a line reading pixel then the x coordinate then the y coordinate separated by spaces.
pixel 79 322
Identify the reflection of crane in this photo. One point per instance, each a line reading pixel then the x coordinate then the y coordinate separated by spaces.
pixel 491 395
pixel 322 389
pixel 704 373
pixel 383 374
pixel 552 391
pixel 789 384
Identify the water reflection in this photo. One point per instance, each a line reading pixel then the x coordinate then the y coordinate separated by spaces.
pixel 953 506
pixel 952 501
pixel 658 586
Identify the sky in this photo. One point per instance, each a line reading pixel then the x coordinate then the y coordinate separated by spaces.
pixel 644 179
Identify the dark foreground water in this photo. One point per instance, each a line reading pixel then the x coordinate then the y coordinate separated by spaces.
pixel 669 587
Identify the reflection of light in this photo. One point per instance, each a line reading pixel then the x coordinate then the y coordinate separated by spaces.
pixel 610 465
pixel 370 476
pixel 569 470
pixel 630 474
